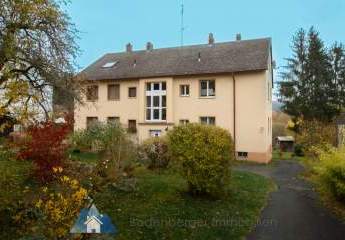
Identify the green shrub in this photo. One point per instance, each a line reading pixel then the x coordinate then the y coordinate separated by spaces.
pixel 316 134
pixel 331 172
pixel 117 152
pixel 154 152
pixel 298 150
pixel 204 153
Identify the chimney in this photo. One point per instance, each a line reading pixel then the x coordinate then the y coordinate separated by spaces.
pixel 149 46
pixel 238 37
pixel 129 47
pixel 210 39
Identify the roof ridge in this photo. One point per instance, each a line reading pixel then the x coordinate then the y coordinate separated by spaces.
pixel 190 46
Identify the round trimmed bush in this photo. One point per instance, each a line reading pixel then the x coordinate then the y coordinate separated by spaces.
pixel 205 154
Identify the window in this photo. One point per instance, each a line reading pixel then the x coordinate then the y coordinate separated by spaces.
pixel 208 120
pixel 93 230
pixel 184 90
pixel 242 154
pixel 132 92
pixel 92 93
pixel 109 64
pixel 184 121
pixel 156 101
pixel 132 126
pixel 114 92
pixel 91 121
pixel 113 120
pixel 207 88
pixel 155 133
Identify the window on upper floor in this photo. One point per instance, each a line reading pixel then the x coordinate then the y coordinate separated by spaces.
pixel 109 64
pixel 184 90
pixel 92 93
pixel 208 120
pixel 207 88
pixel 132 92
pixel 114 92
pixel 156 105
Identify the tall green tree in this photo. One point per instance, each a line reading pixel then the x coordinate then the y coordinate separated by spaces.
pixel 37 52
pixel 337 58
pixel 310 86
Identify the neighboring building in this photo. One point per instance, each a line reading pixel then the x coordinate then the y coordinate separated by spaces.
pixel 149 91
pixel 91 221
pixel 285 143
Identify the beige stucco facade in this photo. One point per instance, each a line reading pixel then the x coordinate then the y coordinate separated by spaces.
pixel 241 105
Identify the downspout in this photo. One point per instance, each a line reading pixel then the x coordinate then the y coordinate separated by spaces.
pixel 234 109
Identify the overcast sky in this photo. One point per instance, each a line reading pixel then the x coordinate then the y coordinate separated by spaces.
pixel 108 25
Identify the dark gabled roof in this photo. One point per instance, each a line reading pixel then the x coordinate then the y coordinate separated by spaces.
pixel 227 57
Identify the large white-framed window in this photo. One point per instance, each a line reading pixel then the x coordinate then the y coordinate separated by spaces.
pixel 207 88
pixel 156 105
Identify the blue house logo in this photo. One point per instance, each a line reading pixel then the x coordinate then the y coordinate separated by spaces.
pixel 90 220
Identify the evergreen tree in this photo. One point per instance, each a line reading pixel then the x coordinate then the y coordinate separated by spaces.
pixel 310 88
pixel 337 58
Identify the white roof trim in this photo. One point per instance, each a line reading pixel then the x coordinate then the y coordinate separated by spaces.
pixel 93 217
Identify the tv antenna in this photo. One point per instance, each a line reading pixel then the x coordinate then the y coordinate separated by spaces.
pixel 182 23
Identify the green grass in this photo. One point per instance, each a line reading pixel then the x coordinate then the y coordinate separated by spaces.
pixel 13 178
pixel 160 208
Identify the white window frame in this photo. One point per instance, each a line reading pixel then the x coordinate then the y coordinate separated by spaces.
pixel 183 90
pixel 152 93
pixel 208 95
pixel 208 120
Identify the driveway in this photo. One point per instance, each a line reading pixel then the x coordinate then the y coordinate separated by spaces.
pixel 293 211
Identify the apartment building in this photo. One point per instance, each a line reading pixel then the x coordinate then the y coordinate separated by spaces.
pixel 150 91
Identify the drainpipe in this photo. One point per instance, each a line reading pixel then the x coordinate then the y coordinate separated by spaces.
pixel 234 113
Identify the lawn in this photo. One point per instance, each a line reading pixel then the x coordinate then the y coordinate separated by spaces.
pixel 160 208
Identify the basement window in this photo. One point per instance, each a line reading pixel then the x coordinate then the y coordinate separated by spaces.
pixel 184 121
pixel 110 64
pixel 242 154
pixel 155 133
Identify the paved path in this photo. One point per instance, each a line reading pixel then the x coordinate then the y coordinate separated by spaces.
pixel 293 211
